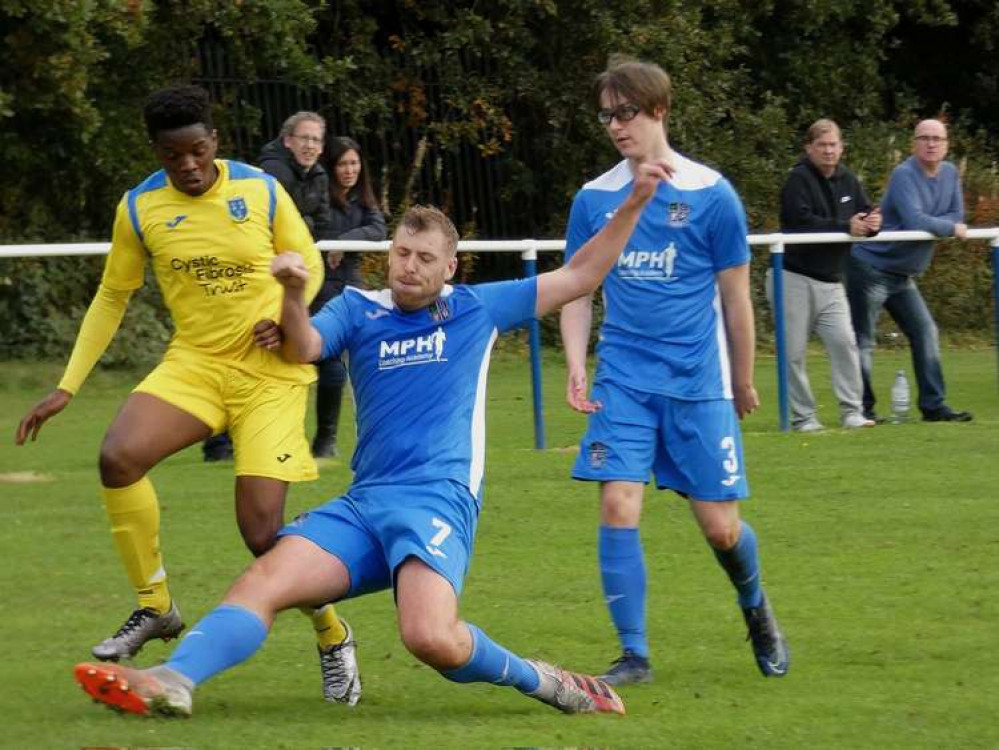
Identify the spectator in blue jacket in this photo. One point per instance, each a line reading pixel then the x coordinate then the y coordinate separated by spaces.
pixel 924 193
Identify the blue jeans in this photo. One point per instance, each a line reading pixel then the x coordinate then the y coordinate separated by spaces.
pixel 868 290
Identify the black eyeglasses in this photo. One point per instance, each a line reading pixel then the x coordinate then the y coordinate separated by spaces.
pixel 623 113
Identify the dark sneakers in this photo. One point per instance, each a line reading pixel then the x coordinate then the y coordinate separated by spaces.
pixel 217 448
pixel 628 669
pixel 946 414
pixel 769 647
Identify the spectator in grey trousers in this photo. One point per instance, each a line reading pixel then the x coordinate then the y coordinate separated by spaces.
pixel 821 195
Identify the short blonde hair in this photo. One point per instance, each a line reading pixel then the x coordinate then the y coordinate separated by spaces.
pixel 427 218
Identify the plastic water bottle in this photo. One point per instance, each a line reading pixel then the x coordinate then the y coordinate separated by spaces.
pixel 900 398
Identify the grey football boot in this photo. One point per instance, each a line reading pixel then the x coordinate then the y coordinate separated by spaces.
pixel 341 676
pixel 141 626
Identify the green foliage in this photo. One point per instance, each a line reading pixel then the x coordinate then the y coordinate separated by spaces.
pixel 508 82
pixel 72 141
pixel 42 301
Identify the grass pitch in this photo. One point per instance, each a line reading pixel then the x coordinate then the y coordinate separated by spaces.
pixel 878 551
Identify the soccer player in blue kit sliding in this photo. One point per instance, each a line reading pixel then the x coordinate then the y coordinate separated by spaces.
pixel 675 370
pixel 418 357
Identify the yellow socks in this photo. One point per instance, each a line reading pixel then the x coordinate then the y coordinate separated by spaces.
pixel 329 630
pixel 135 527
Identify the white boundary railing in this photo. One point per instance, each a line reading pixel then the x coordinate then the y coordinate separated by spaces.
pixel 529 250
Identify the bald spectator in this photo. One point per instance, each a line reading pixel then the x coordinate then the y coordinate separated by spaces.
pixel 924 193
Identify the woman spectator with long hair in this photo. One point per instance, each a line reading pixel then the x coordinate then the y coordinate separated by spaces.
pixel 354 215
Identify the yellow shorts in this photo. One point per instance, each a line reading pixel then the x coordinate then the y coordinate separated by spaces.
pixel 265 417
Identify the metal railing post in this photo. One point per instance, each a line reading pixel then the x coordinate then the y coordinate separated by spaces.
pixel 777 279
pixel 530 256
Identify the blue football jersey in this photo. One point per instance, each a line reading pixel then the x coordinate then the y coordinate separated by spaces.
pixel 663 329
pixel 419 378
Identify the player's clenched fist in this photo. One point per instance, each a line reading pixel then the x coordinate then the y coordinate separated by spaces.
pixel 290 271
pixel 648 176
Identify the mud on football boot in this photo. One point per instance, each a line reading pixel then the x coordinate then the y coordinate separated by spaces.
pixel 574 693
pixel 341 677
pixel 158 691
pixel 628 669
pixel 769 645
pixel 141 626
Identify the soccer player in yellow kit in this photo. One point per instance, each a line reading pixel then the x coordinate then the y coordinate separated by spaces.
pixel 209 228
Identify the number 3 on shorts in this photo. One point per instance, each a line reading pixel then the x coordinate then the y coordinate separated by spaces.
pixel 443 531
pixel 731 462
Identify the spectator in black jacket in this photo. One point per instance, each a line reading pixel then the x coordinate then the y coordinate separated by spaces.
pixel 821 195
pixel 353 215
pixel 293 159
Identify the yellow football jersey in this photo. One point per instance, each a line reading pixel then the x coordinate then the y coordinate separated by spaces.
pixel 211 255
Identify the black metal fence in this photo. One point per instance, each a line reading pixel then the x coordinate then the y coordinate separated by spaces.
pixel 405 163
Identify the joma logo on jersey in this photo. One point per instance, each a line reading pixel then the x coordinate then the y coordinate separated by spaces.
pixel 420 350
pixel 648 264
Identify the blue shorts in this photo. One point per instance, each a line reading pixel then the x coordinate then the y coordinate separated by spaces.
pixel 692 447
pixel 373 529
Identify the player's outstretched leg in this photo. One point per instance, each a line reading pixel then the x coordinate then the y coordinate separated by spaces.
pixel 574 693
pixel 491 663
pixel 338 664
pixel 769 645
pixel 141 626
pixel 159 691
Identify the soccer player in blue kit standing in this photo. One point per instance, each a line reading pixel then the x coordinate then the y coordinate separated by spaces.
pixel 675 370
pixel 418 357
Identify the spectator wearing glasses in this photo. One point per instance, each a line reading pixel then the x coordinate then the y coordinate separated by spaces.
pixel 293 158
pixel 821 195
pixel 924 193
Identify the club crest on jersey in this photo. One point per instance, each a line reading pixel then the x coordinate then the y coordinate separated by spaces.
pixel 420 350
pixel 237 209
pixel 438 310
pixel 597 455
pixel 679 214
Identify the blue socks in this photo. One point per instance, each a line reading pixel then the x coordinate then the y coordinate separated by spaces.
pixel 742 564
pixel 490 662
pixel 225 637
pixel 622 571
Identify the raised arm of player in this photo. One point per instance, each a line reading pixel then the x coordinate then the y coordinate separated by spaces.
pixel 583 274
pixel 301 342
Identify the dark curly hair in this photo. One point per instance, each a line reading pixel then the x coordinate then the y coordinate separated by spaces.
pixel 177 107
